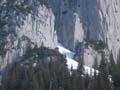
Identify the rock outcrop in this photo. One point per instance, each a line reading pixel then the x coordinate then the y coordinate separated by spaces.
pixel 29 25
pixel 98 20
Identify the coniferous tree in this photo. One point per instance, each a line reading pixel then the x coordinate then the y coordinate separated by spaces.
pixel 116 74
pixel 87 82
pixel 95 65
pixel 74 80
pixel 95 77
pixel 80 74
pixel 111 64
pixel 103 78
pixel 80 68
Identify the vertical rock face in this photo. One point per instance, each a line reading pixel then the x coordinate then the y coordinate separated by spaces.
pixel 98 19
pixel 110 13
pixel 78 33
pixel 89 14
pixel 103 22
pixel 33 25
pixel 26 23
pixel 67 22
pixel 39 29
pixel 83 11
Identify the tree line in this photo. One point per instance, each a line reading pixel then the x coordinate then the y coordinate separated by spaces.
pixel 46 69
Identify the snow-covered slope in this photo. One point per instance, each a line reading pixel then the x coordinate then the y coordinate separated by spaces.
pixel 71 62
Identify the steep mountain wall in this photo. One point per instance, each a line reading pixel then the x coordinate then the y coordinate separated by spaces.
pixel 98 21
pixel 25 24
pixel 110 19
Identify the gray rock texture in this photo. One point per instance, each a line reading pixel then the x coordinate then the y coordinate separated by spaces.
pixel 98 20
pixel 27 23
pixel 26 26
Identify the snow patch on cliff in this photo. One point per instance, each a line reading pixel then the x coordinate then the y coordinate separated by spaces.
pixel 71 62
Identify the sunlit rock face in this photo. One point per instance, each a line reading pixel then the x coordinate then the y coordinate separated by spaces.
pixel 26 29
pixel 77 20
pixel 39 29
pixel 101 21
pixel 110 12
pixel 67 22
pixel 98 19
pixel 71 21
pixel 79 32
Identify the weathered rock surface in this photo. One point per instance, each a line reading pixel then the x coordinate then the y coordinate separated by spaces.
pixel 25 29
pixel 28 23
pixel 99 20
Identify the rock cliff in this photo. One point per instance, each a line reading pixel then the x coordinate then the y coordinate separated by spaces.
pixel 24 24
pixel 96 20
pixel 27 23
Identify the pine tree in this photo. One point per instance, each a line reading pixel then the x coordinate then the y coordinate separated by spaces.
pixel 95 65
pixel 111 64
pixel 103 77
pixel 80 73
pixel 95 77
pixel 80 68
pixel 87 82
pixel 74 80
pixel 116 74
pixel 65 77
